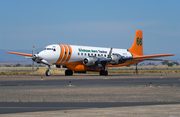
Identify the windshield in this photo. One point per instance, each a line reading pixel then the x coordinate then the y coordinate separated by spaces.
pixel 48 48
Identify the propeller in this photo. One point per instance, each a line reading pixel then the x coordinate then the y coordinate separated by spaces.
pixel 108 58
pixel 110 52
pixel 33 57
pixel 33 52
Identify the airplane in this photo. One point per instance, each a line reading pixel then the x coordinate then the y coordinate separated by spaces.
pixel 86 58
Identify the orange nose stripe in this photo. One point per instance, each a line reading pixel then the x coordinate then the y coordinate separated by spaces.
pixel 65 53
pixel 61 54
pixel 69 54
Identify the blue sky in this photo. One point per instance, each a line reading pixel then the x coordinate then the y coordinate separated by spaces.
pixel 105 23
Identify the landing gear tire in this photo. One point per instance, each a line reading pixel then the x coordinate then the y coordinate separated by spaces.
pixel 102 72
pixel 48 73
pixel 68 73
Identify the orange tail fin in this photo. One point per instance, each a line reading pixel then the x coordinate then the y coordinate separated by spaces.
pixel 137 47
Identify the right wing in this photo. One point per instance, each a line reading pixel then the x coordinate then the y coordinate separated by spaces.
pixel 24 54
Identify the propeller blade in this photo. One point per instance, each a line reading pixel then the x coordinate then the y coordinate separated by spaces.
pixel 105 68
pixel 27 57
pixel 110 52
pixel 32 65
pixel 33 52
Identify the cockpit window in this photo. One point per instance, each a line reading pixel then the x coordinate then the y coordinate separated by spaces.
pixel 48 49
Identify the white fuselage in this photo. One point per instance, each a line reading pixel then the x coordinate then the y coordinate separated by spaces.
pixel 60 54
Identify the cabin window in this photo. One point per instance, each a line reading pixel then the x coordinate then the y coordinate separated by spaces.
pixel 78 53
pixel 85 54
pixel 94 54
pixel 98 54
pixel 105 55
pixel 91 54
pixel 101 54
pixel 81 53
pixel 65 52
pixel 69 52
pixel 88 54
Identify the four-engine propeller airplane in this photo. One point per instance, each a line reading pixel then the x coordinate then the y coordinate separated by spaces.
pixel 86 58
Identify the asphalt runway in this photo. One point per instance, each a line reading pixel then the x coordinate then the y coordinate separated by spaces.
pixel 19 107
pixel 16 107
pixel 88 83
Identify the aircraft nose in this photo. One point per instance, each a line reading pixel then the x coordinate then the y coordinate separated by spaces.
pixel 41 55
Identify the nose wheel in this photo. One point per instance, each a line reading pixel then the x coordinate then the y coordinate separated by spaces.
pixel 48 72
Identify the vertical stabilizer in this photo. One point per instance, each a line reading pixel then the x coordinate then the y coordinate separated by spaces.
pixel 137 47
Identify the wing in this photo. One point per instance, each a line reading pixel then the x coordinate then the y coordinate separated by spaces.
pixel 24 54
pixel 34 58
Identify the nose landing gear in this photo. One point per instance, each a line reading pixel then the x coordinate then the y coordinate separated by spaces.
pixel 48 72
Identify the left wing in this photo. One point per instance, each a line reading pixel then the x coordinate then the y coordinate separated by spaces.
pixel 115 59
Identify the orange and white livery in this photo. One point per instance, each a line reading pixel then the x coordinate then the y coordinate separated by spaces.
pixel 86 58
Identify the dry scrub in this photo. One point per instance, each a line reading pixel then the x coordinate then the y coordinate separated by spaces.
pixel 58 71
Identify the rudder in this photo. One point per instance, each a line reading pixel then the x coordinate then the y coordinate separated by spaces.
pixel 137 47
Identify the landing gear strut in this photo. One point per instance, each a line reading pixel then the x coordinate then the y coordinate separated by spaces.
pixel 48 72
pixel 68 72
pixel 136 68
pixel 103 72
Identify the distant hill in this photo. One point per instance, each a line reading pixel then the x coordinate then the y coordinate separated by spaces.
pixel 14 62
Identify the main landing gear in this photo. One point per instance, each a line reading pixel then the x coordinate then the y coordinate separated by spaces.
pixel 103 72
pixel 136 69
pixel 68 72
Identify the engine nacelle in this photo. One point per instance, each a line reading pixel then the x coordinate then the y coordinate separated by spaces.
pixel 90 61
pixel 116 58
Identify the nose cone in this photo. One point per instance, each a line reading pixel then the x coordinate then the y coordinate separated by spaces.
pixel 42 55
pixel 48 55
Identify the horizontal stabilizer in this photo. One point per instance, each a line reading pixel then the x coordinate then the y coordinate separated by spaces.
pixel 148 57
pixel 159 60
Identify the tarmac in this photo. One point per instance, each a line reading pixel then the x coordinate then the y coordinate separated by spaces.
pixel 88 96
